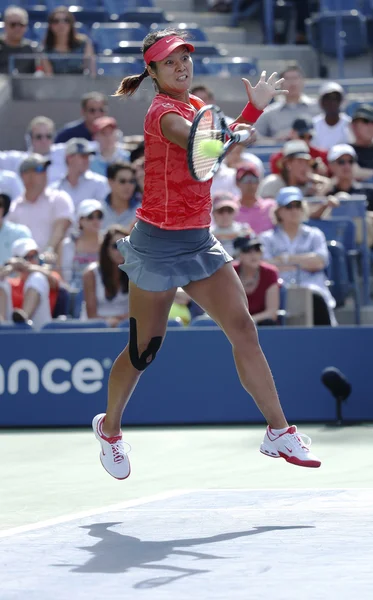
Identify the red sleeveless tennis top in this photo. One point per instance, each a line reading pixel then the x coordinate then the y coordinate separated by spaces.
pixel 172 199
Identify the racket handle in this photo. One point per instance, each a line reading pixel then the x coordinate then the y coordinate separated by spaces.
pixel 242 136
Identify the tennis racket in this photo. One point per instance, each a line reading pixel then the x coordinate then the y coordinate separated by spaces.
pixel 210 124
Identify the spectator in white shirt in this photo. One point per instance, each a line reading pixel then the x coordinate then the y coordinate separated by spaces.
pixel 9 232
pixel 48 213
pixel 11 184
pixel 39 139
pixel 81 183
pixel 277 119
pixel 332 127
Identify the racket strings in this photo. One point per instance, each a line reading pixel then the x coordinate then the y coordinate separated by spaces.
pixel 206 131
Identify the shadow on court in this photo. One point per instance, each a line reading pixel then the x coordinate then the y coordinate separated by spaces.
pixel 117 553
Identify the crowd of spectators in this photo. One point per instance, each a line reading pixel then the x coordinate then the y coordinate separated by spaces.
pixel 71 194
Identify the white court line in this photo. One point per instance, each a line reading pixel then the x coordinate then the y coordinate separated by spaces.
pixel 92 512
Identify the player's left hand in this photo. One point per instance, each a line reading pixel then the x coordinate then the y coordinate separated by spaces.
pixel 264 91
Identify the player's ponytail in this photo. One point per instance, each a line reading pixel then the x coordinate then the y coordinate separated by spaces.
pixel 129 85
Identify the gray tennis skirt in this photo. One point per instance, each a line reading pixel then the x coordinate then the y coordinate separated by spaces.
pixel 159 259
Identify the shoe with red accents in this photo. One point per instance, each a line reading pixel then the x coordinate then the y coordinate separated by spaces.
pixel 291 445
pixel 113 454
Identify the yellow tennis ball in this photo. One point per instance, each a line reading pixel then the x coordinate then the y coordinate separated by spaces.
pixel 211 148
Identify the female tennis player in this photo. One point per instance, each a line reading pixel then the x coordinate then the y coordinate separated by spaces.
pixel 171 246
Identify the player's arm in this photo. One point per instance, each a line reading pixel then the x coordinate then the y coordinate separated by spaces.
pixel 176 129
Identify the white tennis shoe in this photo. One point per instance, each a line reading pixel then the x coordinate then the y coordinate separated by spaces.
pixel 113 455
pixel 291 445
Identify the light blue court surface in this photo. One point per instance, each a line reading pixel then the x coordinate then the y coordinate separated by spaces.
pixel 200 545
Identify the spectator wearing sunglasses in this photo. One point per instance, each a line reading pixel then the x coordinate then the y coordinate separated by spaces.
pixel 225 227
pixel 39 140
pixel 303 129
pixel 13 41
pixel 124 198
pixel 28 290
pixel 80 250
pixel 80 182
pixel 93 105
pixel 9 232
pixel 253 210
pixel 106 134
pixel 105 285
pixel 73 52
pixel 300 252
pixel 259 279
pixel 47 212
pixel 362 129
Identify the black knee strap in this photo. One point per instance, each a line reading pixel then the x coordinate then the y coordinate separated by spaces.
pixel 141 362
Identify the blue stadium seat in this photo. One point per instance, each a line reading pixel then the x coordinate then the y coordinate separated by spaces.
pixel 145 16
pixel 321 31
pixel 177 322
pixel 87 4
pixel 340 234
pixel 76 324
pixel 124 324
pixel 199 68
pixel 14 327
pixel 206 49
pixel 353 106
pixel 109 36
pixel 332 5
pixel 119 6
pixel 90 15
pixel 36 12
pixel 202 321
pixel 196 33
pixel 118 66
pixel 231 65
pixel 39 30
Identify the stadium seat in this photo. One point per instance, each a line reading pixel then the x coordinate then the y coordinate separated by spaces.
pixel 231 65
pixel 39 30
pixel 206 49
pixel 199 68
pixel 202 321
pixel 119 6
pixel 108 36
pixel 340 234
pixel 36 12
pixel 87 4
pixel 14 327
pixel 353 106
pixel 76 324
pixel 124 324
pixel 145 16
pixel 88 16
pixel 177 322
pixel 196 33
pixel 321 31
pixel 118 66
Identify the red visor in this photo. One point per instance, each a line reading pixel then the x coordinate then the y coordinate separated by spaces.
pixel 164 47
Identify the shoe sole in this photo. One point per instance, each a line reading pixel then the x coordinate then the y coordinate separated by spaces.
pixel 97 436
pixel 293 460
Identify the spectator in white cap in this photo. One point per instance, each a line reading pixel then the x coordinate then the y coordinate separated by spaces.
pixel 296 171
pixel 25 286
pixel 9 232
pixel 332 127
pixel 107 134
pixel 300 252
pixel 342 160
pixel 82 248
pixel 225 227
pixel 47 212
pixel 80 182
